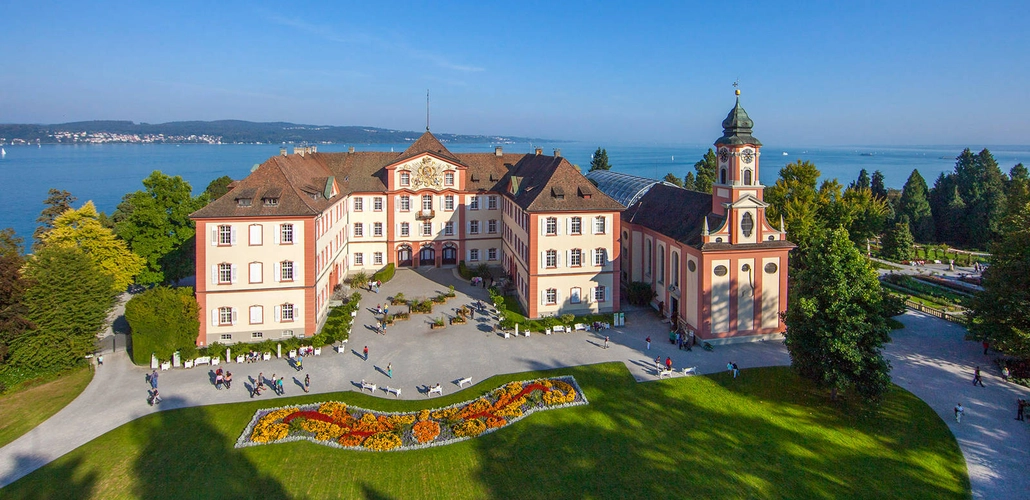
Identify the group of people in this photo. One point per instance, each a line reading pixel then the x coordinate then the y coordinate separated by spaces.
pixel 275 383
pixel 223 379
pixel 658 363
pixel 373 285
pixel 152 395
pixel 682 340
pixel 731 366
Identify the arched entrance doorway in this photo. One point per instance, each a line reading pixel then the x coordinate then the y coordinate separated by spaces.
pixel 427 255
pixel 450 254
pixel 404 256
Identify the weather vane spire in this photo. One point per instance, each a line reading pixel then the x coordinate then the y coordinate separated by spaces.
pixel 427 110
pixel 736 86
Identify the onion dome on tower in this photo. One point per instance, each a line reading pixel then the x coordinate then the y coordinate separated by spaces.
pixel 736 128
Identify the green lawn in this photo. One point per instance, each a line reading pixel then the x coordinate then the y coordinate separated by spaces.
pixel 21 411
pixel 765 435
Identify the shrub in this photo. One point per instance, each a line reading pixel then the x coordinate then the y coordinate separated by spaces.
pixel 464 271
pixel 439 322
pixel 359 279
pixel 483 271
pixel 162 320
pixel 421 306
pixel 450 292
pixel 398 299
pixel 639 293
pixel 385 274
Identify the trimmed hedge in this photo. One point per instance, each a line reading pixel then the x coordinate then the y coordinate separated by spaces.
pixel 385 274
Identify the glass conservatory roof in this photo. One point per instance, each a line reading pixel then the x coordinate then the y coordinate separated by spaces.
pixel 623 188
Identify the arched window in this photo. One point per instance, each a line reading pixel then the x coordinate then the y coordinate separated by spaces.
pixel 648 268
pixel 675 278
pixel 661 265
pixel 747 177
pixel 747 223
pixel 722 176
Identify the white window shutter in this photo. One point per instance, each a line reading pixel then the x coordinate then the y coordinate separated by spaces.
pixel 232 235
pixel 557 259
pixel 214 275
pixel 278 232
pixel 543 260
pixel 543 297
pixel 214 235
pixel 296 312
pixel 233 268
pixel 277 313
pixel 568 257
pixel 214 317
pixel 590 296
pixel 543 225
pixel 557 227
pixel 568 225
pixel 278 271
pixel 559 296
pixel 607 293
pixel 593 256
pixel 234 316
pixel 396 203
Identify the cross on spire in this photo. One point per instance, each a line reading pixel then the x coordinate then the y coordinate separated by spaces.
pixel 427 110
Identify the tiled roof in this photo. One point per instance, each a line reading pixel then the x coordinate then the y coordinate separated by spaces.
pixel 538 175
pixel 673 211
pixel 428 143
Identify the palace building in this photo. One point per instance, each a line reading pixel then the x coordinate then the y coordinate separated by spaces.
pixel 718 267
pixel 270 252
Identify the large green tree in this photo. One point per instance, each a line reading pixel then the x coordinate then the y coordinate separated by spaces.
pixel 68 299
pixel 915 205
pixel 599 161
pixel 877 185
pixel 897 241
pixel 999 313
pixel 162 320
pixel 689 182
pixel 218 187
pixel 862 182
pixel 981 184
pixel 82 229
pixel 795 198
pixel 57 202
pixel 158 227
pixel 948 209
pixel 1017 194
pixel 836 324
pixel 672 179
pixel 13 312
pixel 867 213
pixel 706 168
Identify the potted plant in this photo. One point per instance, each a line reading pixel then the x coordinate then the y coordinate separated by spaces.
pixel 438 323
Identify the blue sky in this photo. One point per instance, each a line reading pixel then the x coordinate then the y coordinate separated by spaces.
pixel 884 73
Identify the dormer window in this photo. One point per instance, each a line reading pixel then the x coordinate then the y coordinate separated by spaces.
pixel 243 202
pixel 585 192
pixel 405 179
pixel 270 202
pixel 558 193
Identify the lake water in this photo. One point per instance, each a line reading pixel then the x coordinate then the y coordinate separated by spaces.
pixel 105 172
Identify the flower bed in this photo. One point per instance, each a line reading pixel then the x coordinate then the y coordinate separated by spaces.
pixel 335 424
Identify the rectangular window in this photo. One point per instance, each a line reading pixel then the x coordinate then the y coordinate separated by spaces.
pixel 448 202
pixel 600 257
pixel 552 296
pixel 226 336
pixel 492 203
pixel 225 235
pixel 599 294
pixel 474 202
pixel 474 254
pixel 427 202
pixel 448 228
pixel 359 229
pixel 491 254
pixel 474 227
pixel 491 226
pixel 405 179
pixel 359 204
pixel 448 178
pixel 576 257
pixel 257 335
pixel 224 274
pixel 551 226
pixel 405 229
pixel 377 203
pixel 286 333
pixel 377 229
pixel 287 312
pixel 599 226
pixel 255 272
pixel 576 226
pixel 405 203
pixel 286 234
pixel 377 258
pixel 427 228
pixel 256 315
pixel 224 316
pixel 359 259
pixel 255 234
pixel 574 297
pixel 551 259
pixel 286 271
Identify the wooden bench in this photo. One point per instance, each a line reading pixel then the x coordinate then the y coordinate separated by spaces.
pixel 466 380
pixel 664 373
pixel 371 387
pixel 690 371
pixel 389 389
pixel 437 389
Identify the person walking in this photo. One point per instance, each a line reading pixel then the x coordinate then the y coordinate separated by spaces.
pixel 153 380
pixel 1020 408
pixel 307 382
pixel 735 370
pixel 658 364
pixel 379 326
pixel 389 370
pixel 976 377
pixel 729 366
pixel 366 353
pixel 228 380
pixel 959 411
pixel 275 387
pixel 100 360
pixel 668 363
pixel 605 341
pixel 986 346
pixel 300 363
pixel 648 340
pixel 280 387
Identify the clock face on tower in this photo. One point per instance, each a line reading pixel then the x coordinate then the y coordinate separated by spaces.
pixel 748 155
pixel 723 155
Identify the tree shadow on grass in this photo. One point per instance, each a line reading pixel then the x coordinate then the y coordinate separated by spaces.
pixel 715 437
pixel 184 456
pixel 62 482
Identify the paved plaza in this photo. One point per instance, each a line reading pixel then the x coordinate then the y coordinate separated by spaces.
pixel 930 357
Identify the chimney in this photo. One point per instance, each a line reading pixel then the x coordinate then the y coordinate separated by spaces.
pixel 498 151
pixel 298 150
pixel 539 151
pixel 313 149
pixel 282 151
pixel 350 149
pixel 557 153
